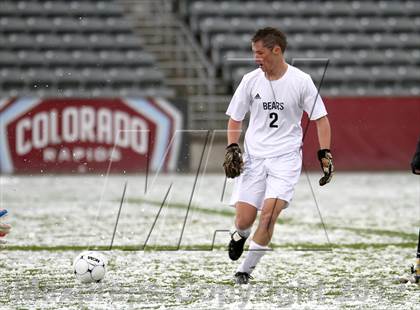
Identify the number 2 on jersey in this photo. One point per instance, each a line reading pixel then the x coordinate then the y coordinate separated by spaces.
pixel 275 118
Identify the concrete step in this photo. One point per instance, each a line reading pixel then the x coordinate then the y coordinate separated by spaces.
pixel 158 32
pixel 186 81
pixel 150 23
pixel 160 41
pixel 171 65
pixel 182 67
pixel 165 48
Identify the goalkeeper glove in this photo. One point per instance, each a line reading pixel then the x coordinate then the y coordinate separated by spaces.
pixel 327 166
pixel 233 164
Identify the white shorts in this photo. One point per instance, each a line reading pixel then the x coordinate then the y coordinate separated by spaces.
pixel 263 178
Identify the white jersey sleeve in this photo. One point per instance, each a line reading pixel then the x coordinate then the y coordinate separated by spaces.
pixel 275 110
pixel 312 101
pixel 241 101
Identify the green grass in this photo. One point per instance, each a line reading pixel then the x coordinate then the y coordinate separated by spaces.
pixel 207 211
pixel 207 247
pixel 373 231
pixel 182 206
pixel 289 221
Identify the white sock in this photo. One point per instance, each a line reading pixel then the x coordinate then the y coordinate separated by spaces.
pixel 244 233
pixel 254 255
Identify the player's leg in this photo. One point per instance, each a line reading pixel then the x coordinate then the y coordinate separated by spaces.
pixel 4 228
pixel 262 236
pixel 282 175
pixel 245 217
pixel 247 197
pixel 269 214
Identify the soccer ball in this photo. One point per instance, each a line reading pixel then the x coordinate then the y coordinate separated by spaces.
pixel 89 267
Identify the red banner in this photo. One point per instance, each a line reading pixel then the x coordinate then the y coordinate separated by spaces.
pixel 368 133
pixel 87 135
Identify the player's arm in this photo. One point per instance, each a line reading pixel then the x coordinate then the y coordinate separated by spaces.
pixel 324 153
pixel 234 131
pixel 324 132
pixel 238 107
pixel 233 158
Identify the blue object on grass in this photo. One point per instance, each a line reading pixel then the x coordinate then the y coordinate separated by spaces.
pixel 3 212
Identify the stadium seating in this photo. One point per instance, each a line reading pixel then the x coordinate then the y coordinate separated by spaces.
pixel 73 48
pixel 372 46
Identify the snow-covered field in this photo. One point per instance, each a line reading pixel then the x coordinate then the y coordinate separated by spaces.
pixel 371 220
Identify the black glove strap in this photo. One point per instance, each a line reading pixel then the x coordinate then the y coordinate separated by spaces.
pixel 232 145
pixel 322 153
pixel 415 163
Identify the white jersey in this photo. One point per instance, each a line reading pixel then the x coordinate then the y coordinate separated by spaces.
pixel 276 109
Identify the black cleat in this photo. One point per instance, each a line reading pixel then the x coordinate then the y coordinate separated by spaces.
pixel 242 277
pixel 236 246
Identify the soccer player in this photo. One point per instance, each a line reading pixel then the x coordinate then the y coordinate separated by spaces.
pixel 415 167
pixel 415 163
pixel 275 94
pixel 4 228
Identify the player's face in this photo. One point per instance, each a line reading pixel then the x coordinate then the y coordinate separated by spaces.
pixel 263 56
